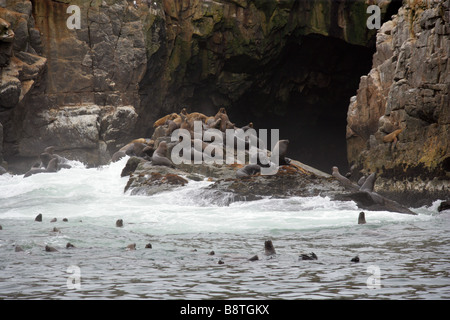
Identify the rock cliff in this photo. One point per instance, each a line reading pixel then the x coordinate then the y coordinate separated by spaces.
pixel 89 90
pixel 398 123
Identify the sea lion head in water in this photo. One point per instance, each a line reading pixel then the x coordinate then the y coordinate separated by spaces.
pixel 159 156
pixel 269 248
pixel 361 218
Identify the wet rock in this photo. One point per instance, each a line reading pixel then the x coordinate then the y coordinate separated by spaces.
pixel 405 90
pixel 1 228
pixel 65 220
pixel 69 245
pixel 18 249
pixel 220 262
pixel 355 259
pixel 119 223
pixel 211 253
pixel 148 246
pixel 54 220
pixel 254 258
pixel 131 246
pixel 38 218
pixel 55 229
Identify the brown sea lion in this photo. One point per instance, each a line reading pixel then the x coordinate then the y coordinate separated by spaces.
pixel 163 120
pixel 159 156
pixel 225 121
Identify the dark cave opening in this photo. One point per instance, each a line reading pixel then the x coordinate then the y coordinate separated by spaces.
pixel 305 94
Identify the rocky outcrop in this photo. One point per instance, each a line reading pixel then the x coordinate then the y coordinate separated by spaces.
pixel 76 89
pixel 398 123
pixel 127 65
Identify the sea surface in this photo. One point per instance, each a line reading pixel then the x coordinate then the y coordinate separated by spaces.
pixel 201 250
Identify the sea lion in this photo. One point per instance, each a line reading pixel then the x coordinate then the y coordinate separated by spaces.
pixel 171 127
pixel 249 126
pixel 148 246
pixel 225 121
pixel 38 218
pixel 69 245
pixel 269 248
pixel 118 155
pixel 281 148
pixel 50 249
pixel 355 259
pixel 119 223
pixel 365 197
pixel 362 180
pixel 369 183
pixel 248 170
pixel 163 120
pixel 159 156
pixel 51 167
pixel 343 180
pixel 361 218
pixel 311 256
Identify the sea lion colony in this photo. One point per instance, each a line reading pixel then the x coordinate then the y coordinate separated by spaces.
pixel 156 149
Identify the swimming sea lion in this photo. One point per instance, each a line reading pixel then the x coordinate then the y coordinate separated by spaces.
pixel 159 156
pixel 355 259
pixel 269 248
pixel 311 256
pixel 361 218
pixel 50 249
pixel 248 170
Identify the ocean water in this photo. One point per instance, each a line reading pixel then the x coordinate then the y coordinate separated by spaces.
pixel 401 256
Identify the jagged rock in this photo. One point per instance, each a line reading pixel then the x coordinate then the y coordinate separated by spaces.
pixel 407 88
